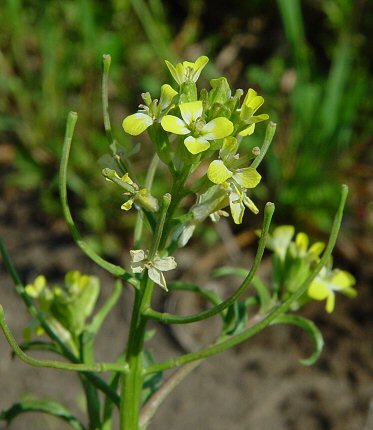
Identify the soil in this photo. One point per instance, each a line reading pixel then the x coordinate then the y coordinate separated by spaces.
pixel 257 386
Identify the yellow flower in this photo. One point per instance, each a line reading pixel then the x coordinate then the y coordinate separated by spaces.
pixel 235 181
pixel 330 281
pixel 192 124
pixel 187 71
pixel 138 122
pixel 250 105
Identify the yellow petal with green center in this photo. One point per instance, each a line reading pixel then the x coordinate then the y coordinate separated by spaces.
pixel 247 131
pixel 301 240
pixel 217 128
pixel 191 111
pixel 218 172
pixel 173 124
pixel 137 123
pixel 247 177
pixel 195 145
pixel 167 94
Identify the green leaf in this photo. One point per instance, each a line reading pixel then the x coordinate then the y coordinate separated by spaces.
pixel 40 405
pixel 235 320
pixel 311 329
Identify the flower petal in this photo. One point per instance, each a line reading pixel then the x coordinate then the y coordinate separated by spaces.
pixel 137 267
pixel 318 290
pixel 247 131
pixel 137 255
pixel 157 277
pixel 259 118
pixel 173 124
pixel 191 111
pixel 126 206
pixel 175 72
pixel 164 264
pixel 330 302
pixel 302 241
pixel 250 204
pixel 251 104
pixel 217 128
pixel 247 177
pixel 218 172
pixel 135 124
pixel 342 280
pixel 237 207
pixel 167 94
pixel 317 248
pixel 195 145
pixel 198 66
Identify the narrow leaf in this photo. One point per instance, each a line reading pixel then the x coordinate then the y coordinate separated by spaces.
pixel 311 329
pixel 40 405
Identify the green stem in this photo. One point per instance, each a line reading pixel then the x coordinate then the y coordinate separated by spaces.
pixel 132 382
pixel 111 268
pixel 185 319
pixel 270 132
pixel 232 341
pixel 106 61
pixel 80 367
pixel 177 193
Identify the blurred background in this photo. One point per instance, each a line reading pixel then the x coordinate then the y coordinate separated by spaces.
pixel 310 59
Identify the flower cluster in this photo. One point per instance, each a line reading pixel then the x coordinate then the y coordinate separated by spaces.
pixel 214 122
pixel 194 131
pixel 66 307
pixel 293 261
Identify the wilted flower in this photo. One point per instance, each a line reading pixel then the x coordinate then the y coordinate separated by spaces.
pixel 137 195
pixel 155 266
